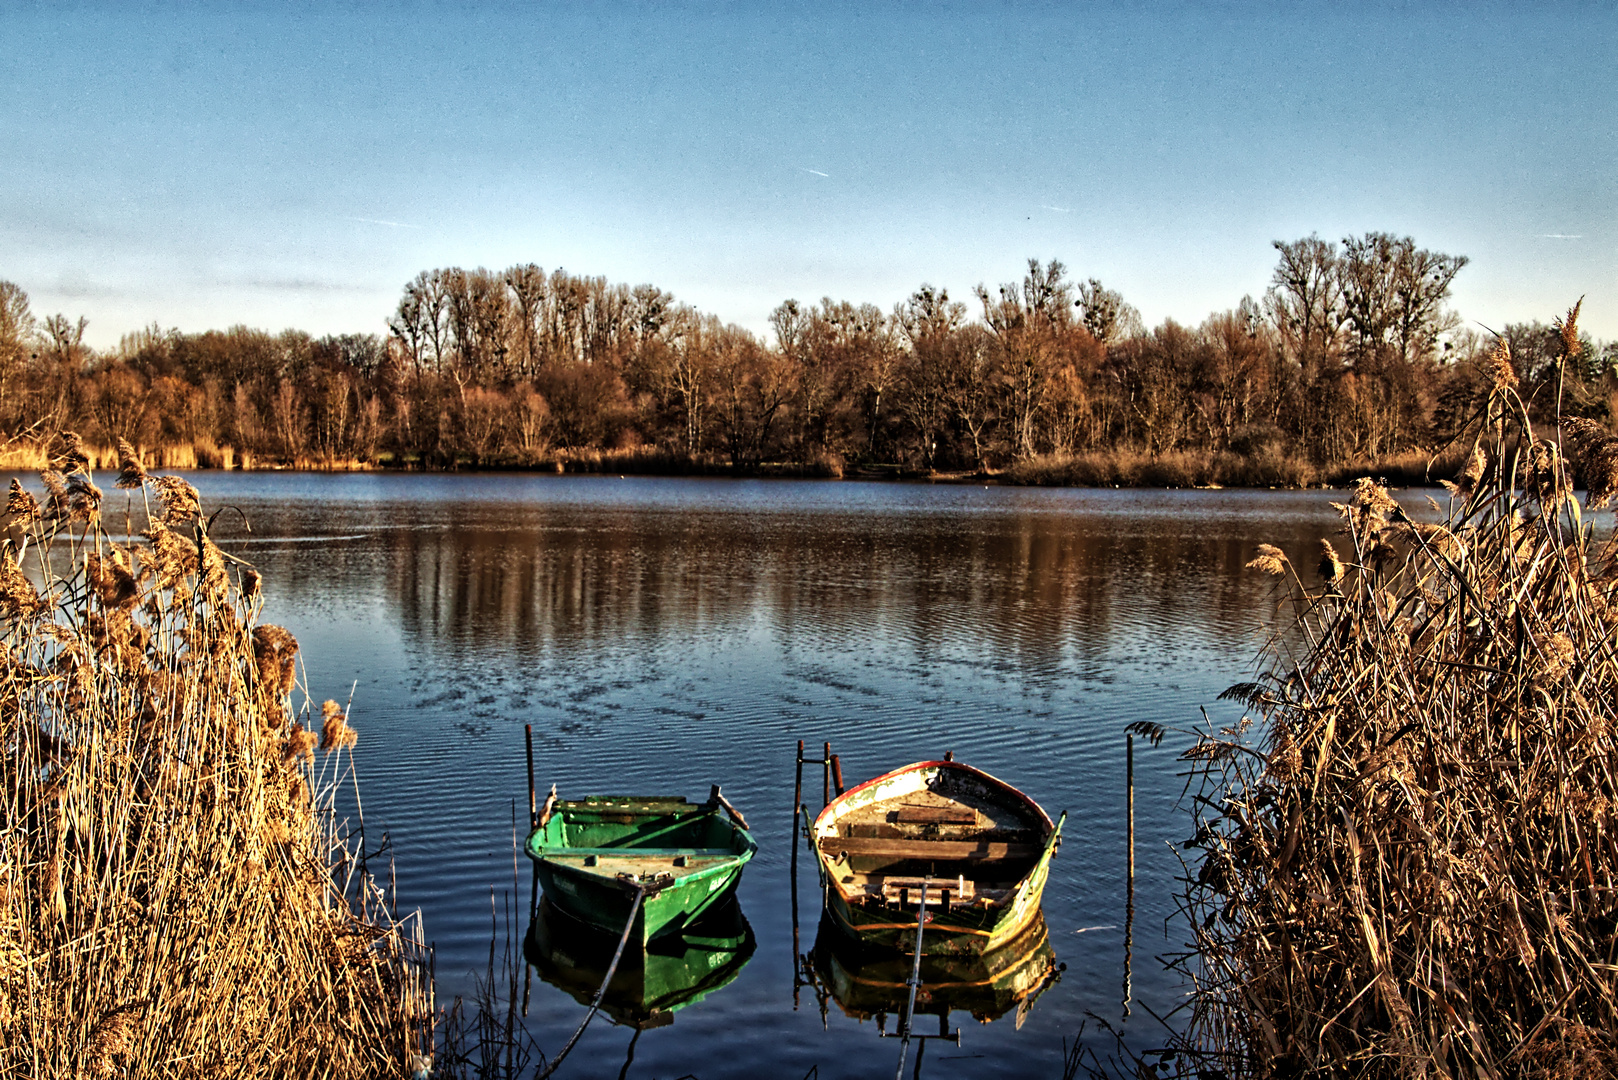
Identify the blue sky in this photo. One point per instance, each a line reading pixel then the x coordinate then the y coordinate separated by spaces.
pixel 282 166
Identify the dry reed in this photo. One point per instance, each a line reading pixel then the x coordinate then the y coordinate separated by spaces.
pixel 178 896
pixel 1409 868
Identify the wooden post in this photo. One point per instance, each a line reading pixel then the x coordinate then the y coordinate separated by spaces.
pixel 1129 755
pixel 797 800
pixel 837 774
pixel 528 737
pixel 949 755
pixel 825 776
pixel 797 793
pixel 1129 907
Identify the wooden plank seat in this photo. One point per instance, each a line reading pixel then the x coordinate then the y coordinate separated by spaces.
pixel 886 831
pixel 954 850
pixel 934 815
pixel 942 892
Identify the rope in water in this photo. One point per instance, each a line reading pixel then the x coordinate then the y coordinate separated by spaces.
pixel 612 968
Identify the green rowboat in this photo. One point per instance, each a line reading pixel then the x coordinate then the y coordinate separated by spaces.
pixel 592 855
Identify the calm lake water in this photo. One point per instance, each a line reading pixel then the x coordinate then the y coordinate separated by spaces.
pixel 664 634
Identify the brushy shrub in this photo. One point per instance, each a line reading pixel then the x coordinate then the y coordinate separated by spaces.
pixel 1406 857
pixel 177 895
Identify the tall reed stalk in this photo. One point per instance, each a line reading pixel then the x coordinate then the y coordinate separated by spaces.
pixel 178 895
pixel 1409 867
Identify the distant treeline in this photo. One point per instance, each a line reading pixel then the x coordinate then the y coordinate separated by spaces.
pixel 1351 356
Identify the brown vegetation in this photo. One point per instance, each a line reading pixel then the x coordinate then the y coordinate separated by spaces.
pixel 177 897
pixel 1351 356
pixel 1410 867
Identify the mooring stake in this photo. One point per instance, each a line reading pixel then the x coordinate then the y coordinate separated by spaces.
pixel 528 738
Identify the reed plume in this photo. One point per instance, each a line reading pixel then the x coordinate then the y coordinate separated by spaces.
pixel 131 473
pixel 71 457
pixel 1269 560
pixel 23 507
pixel 335 734
pixel 180 500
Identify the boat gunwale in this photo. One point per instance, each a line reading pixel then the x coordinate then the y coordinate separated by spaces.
pixel 729 858
pixel 1048 824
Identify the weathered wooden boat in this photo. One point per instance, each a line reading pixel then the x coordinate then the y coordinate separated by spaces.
pixel 981 848
pixel 593 856
pixel 869 983
pixel 652 983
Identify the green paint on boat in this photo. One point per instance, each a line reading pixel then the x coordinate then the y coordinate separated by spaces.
pixel 591 854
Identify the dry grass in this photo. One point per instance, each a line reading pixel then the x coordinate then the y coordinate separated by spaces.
pixel 1127 467
pixel 177 895
pixel 1409 867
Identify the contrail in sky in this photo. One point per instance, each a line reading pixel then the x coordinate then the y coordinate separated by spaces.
pixel 1561 236
pixel 1058 209
pixel 389 224
pixel 817 172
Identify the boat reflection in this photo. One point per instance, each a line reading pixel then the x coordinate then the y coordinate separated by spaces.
pixel 651 984
pixel 869 983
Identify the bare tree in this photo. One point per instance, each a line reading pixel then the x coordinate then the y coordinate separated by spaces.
pixel 1028 323
pixel 1105 314
pixel 927 319
pixel 1305 301
pixel 527 285
pixel 17 342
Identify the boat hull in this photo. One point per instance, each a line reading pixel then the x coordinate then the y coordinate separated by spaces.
pixel 955 932
pixel 593 855
pixel 605 904
pixel 950 826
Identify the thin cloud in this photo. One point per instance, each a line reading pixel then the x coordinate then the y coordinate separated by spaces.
pixel 817 172
pixel 389 224
pixel 1561 236
pixel 291 284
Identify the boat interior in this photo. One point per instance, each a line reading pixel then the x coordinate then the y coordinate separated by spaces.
pixel 640 836
pixel 976 849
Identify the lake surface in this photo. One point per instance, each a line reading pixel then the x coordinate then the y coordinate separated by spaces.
pixel 662 635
